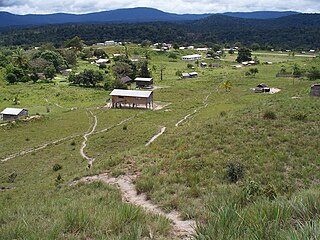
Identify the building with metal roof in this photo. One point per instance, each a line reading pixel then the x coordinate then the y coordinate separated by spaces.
pixel 9 114
pixel 131 98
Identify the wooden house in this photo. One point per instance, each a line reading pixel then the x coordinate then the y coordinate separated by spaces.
pixel 315 90
pixel 9 114
pixel 262 88
pixel 143 82
pixel 131 98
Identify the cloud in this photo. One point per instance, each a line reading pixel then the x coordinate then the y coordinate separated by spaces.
pixel 179 6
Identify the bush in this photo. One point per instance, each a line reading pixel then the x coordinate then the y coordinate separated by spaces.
pixel 56 167
pixel 300 116
pixel 234 171
pixel 12 78
pixel 12 177
pixel 269 115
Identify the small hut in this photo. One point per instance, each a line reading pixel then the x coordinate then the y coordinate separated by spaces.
pixel 262 88
pixel 10 114
pixel 131 98
pixel 315 90
pixel 143 82
pixel 126 80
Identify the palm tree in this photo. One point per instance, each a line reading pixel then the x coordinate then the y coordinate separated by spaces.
pixel 19 58
pixel 227 85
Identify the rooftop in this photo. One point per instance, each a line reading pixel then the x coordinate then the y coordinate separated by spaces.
pixel 143 79
pixel 130 93
pixel 12 111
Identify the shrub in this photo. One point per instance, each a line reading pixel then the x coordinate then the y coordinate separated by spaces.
pixel 269 115
pixel 300 116
pixel 56 167
pixel 125 127
pixel 234 171
pixel 12 177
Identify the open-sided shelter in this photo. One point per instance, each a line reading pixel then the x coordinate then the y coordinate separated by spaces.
pixel 131 98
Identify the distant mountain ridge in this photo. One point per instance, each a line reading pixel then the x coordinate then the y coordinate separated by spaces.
pixel 260 14
pixel 131 15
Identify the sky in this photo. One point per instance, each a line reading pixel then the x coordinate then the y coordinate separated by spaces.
pixel 178 6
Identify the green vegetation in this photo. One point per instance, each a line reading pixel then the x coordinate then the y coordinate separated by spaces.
pixel 243 165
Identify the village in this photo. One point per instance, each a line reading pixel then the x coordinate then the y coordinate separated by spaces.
pixel 155 133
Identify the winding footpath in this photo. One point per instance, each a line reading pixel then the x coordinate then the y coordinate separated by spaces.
pixel 183 229
pixel 91 130
pixel 185 118
pixel 162 130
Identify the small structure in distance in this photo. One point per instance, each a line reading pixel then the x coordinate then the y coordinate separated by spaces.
pixel 193 57
pixel 262 88
pixel 315 90
pixel 131 98
pixel 142 82
pixel 189 75
pixel 10 114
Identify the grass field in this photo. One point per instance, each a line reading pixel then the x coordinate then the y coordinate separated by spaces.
pixel 274 138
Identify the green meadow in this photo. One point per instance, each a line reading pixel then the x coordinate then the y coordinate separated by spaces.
pixel 269 143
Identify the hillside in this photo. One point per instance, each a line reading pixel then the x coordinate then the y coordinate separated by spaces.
pixel 295 31
pixel 120 15
pixel 239 164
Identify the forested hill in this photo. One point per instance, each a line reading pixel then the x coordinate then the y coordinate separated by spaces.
pixel 294 31
pixel 260 14
pixel 140 14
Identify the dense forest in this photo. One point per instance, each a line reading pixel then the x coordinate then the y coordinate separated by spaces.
pixel 301 31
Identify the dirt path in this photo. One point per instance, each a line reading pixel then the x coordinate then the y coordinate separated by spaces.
pixel 185 118
pixel 90 131
pixel 162 130
pixel 182 229
pixel 38 148
pixel 59 106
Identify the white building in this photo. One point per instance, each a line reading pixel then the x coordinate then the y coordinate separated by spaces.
pixel 110 43
pixel 192 57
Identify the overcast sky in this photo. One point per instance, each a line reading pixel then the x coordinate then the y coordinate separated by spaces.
pixel 178 6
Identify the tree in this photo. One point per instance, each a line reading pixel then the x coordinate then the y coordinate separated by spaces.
pixel 255 46
pixel 100 53
pixel 231 51
pixel 38 65
pixel 146 43
pixel 143 69
pixel 244 54
pixel 121 69
pixel 19 58
pixel 75 43
pixel 87 78
pixel 55 58
pixel 175 46
pixel 70 56
pixel 296 70
pixel 49 72
pixel 172 55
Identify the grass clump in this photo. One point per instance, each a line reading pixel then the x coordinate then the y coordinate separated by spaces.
pixel 56 167
pixel 270 115
pixel 234 171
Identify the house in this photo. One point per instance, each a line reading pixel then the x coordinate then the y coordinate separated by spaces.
pixel 110 43
pixel 192 57
pixel 126 80
pixel 315 90
pixel 203 64
pixel 185 75
pixel 9 114
pixel 262 88
pixel 189 75
pixel 102 61
pixel 131 98
pixel 193 74
pixel 143 82
pixel 202 49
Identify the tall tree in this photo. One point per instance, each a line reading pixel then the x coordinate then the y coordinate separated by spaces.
pixel 244 54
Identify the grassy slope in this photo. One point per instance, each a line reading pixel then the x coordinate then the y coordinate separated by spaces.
pixel 183 169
